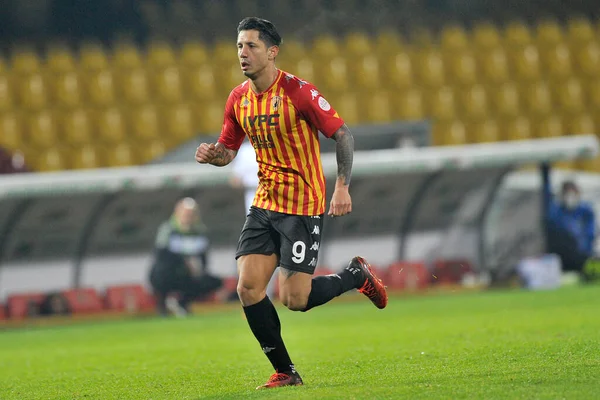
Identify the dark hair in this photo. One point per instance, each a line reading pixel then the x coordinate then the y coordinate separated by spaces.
pixel 569 185
pixel 266 30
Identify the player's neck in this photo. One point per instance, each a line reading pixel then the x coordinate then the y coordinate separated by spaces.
pixel 265 80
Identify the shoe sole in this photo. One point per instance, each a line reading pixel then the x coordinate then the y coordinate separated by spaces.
pixel 375 280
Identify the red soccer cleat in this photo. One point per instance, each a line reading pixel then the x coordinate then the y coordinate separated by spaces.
pixel 373 287
pixel 279 379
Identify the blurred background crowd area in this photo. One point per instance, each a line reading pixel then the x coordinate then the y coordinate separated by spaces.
pixel 87 84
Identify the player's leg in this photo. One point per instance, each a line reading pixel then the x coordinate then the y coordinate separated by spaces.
pixel 198 288
pixel 257 259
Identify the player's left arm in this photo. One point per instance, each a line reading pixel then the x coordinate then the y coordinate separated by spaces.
pixel 341 202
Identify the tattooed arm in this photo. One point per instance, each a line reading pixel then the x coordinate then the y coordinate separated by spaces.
pixel 341 203
pixel 214 154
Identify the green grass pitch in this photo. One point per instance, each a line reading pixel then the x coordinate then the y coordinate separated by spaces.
pixel 491 345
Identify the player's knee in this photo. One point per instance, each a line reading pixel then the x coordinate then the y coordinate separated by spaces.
pixel 249 294
pixel 295 301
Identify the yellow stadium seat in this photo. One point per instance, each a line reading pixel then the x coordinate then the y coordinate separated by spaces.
pixel 357 44
pixel 144 122
pixel 224 52
pixel 388 42
pixel 550 126
pixel 160 55
pixel 593 95
pixel 11 133
pixel 441 104
pixel 346 104
pixel 474 103
pixel 60 60
pixel 590 165
pixel 209 117
pixel 86 157
pixel 121 155
pixel 587 58
pixel 167 85
pixel 580 124
pixel 399 71
pixel 580 31
pixel 548 34
pixel 517 34
pixel 493 66
pixel 41 129
pixel 110 125
pixel 423 38
pixel 92 57
pixel 376 107
pixel 25 62
pixel 228 77
pixel 569 97
pixel 134 86
pixel 525 63
pixel 178 123
pixel 33 93
pixel 485 131
pixel 6 94
pixel 333 75
pixel 486 36
pixel 505 100
pixel 199 82
pixel 517 128
pixel 408 105
pixel 454 38
pixel 151 150
pixel 51 159
pixel 430 68
pixel 291 52
pixel 76 127
pixel 449 133
pixel 126 56
pixel 462 68
pixel 194 53
pixel 537 98
pixel 557 62
pixel 67 90
pixel 365 72
pixel 100 88
pixel 305 70
pixel 325 47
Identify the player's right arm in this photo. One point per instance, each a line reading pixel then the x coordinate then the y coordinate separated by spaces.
pixel 232 135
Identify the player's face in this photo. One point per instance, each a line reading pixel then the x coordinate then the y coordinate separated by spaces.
pixel 253 53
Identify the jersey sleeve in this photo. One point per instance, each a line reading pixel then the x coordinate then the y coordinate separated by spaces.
pixel 232 134
pixel 317 110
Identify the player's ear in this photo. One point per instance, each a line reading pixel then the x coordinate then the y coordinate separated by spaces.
pixel 273 51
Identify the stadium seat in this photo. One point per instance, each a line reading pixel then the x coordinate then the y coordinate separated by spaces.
pixel 6 94
pixel 587 59
pixel 51 159
pixel 448 133
pixel 365 72
pixel 85 157
pixel 580 124
pixel 199 83
pixel 193 54
pixel 100 88
pixel 305 69
pixel 126 56
pixel 292 52
pixel 18 306
pixel 569 97
pixel 11 132
pixel 537 98
pixel 144 122
pixel 493 66
pixel 325 47
pixel 408 105
pixel 67 90
pixel 407 276
pixel 32 92
pixel 167 85
pixel 3 315
pixel 579 32
pixel 548 33
pixel 505 100
pixel 450 272
pixel 429 68
pixel 333 76
pixel 92 57
pixel 122 154
pixel 398 71
pixel 160 55
pixel 83 300
pixel 590 165
pixel 453 38
pixel 208 117
pixel 557 62
pixel 474 103
pixel 462 68
pixel 376 107
pixel 25 62
pixel 550 126
pixel 356 44
pixel 224 53
pixel 346 104
pixel 486 36
pixel 76 127
pixel 41 129
pixel 518 128
pixel 178 123
pixel 151 150
pixel 517 35
pixel 59 59
pixel 128 298
pixel 134 86
pixel 485 131
pixel 110 125
pixel 592 89
pixel 525 62
pixel 441 104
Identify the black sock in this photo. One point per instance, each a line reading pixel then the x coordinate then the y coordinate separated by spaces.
pixel 264 323
pixel 325 288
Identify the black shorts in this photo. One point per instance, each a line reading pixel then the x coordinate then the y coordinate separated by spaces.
pixel 295 239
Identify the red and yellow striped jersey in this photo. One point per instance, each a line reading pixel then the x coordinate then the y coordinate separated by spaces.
pixel 283 123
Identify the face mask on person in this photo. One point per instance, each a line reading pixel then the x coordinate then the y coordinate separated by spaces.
pixel 571 200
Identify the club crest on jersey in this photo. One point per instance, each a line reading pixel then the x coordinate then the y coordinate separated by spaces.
pixel 276 103
pixel 245 102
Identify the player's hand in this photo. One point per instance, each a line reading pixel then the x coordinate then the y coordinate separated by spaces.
pixel 205 153
pixel 341 202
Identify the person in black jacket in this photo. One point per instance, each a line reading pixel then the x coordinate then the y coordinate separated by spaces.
pixel 181 261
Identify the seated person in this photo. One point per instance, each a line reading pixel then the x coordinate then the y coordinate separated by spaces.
pixel 570 224
pixel 180 261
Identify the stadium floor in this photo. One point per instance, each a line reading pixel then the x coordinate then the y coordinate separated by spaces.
pixel 492 345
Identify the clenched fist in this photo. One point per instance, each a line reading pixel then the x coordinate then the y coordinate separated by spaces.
pixel 205 153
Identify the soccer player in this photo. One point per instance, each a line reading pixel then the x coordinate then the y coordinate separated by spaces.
pixel 282 114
